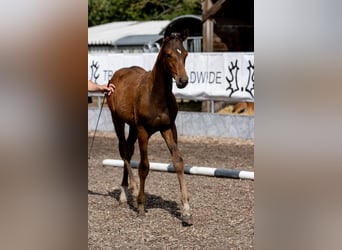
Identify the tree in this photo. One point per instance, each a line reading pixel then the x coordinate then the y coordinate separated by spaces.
pixel 105 11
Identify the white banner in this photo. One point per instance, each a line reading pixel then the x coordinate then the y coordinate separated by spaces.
pixel 212 76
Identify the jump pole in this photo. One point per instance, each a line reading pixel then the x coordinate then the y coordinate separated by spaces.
pixel 164 167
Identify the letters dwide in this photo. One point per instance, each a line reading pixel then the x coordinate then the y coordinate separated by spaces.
pixel 210 77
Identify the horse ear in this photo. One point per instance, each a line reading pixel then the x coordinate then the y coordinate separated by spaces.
pixel 167 33
pixel 185 34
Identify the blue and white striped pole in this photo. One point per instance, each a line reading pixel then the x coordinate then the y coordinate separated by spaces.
pixel 164 167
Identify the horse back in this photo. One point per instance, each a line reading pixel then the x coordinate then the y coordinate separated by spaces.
pixel 121 102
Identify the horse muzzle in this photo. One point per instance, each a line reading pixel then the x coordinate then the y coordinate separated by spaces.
pixel 181 82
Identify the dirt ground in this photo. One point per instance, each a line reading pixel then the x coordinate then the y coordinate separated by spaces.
pixel 222 208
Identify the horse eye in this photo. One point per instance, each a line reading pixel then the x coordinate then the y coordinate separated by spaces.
pixel 169 56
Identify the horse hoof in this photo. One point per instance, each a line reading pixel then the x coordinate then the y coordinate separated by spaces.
pixel 141 211
pixel 123 204
pixel 141 214
pixel 187 220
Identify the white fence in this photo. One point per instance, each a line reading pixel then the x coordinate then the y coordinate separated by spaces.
pixel 212 76
pixel 189 124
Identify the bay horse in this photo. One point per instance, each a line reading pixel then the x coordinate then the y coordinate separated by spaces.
pixel 144 100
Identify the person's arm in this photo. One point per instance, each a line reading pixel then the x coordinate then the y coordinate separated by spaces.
pixel 93 87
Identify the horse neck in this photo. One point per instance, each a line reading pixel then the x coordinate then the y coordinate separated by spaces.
pixel 162 79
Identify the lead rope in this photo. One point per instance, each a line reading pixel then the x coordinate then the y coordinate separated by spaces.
pixel 97 123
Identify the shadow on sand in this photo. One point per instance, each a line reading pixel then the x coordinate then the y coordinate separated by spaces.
pixel 151 202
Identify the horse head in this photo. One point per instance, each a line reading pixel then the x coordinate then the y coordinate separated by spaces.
pixel 174 55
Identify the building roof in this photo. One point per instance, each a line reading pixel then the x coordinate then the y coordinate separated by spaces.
pixel 109 34
pixel 118 33
pixel 135 40
pixel 191 22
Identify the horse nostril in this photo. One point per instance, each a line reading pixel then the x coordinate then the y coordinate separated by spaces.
pixel 184 80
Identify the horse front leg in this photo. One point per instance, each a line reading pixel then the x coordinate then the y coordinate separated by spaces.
pixel 144 167
pixel 170 137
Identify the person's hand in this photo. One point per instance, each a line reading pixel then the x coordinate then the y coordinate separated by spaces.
pixel 108 90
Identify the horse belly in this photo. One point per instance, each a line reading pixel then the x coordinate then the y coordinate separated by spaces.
pixel 154 122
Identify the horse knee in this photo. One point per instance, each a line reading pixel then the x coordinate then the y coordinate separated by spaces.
pixel 178 164
pixel 144 169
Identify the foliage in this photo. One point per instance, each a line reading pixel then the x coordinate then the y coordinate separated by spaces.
pixel 105 11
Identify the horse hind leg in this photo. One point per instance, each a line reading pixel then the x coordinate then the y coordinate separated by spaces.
pixel 132 137
pixel 126 149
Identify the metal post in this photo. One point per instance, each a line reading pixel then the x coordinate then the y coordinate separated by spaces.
pixel 212 106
